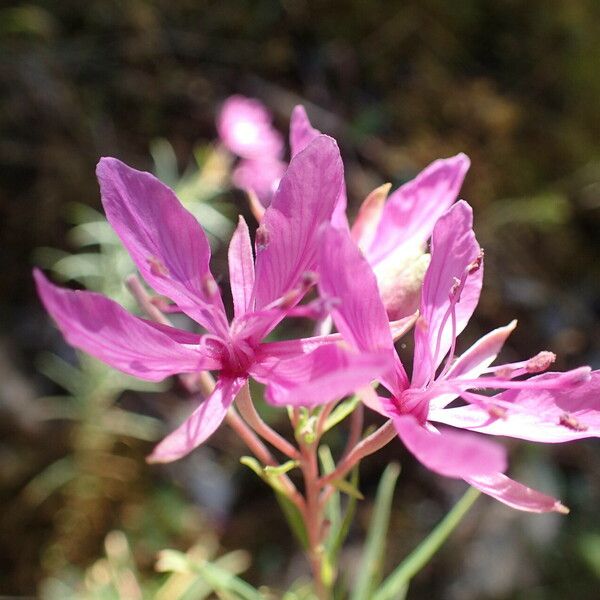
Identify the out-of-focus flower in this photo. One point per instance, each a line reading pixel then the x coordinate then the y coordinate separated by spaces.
pixel 245 127
pixel 261 176
pixel 172 253
pixel 551 407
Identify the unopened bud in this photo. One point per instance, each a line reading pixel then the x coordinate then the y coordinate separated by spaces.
pixel 540 362
pixel 400 280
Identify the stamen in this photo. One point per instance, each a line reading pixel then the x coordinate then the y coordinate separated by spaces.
pixel 476 264
pixel 157 267
pixel 209 286
pixel 540 362
pixel 504 372
pixel 497 411
pixel 571 422
pixel 263 237
pixel 309 279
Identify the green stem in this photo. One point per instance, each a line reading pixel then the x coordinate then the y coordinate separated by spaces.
pixel 418 558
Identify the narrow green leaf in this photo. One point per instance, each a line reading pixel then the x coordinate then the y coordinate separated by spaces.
pixel 293 517
pixel 400 578
pixel 61 372
pixel 347 488
pixel 333 510
pixel 371 566
pixel 290 512
pixel 281 469
pixel 340 412
pixel 342 533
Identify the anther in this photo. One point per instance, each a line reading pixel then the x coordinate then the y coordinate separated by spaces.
pixel 209 286
pixel 571 422
pixel 263 237
pixel 503 372
pixel 496 411
pixel 540 362
pixel 308 279
pixel 455 286
pixel 157 267
pixel 476 264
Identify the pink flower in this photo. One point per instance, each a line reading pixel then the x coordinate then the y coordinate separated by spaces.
pixel 551 407
pixel 172 253
pixel 391 232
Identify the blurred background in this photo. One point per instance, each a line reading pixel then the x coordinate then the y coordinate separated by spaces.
pixel 514 85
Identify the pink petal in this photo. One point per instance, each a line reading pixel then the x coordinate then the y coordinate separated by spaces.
pixel 324 375
pixel 412 210
pixel 295 347
pixel 180 336
pixel 539 415
pixel 302 133
pixel 107 331
pixel 515 494
pixel 346 279
pixel 241 268
pixel 368 218
pixel 165 241
pixel 453 249
pixel 200 425
pixel 244 126
pixel 475 360
pixel 286 241
pixel 450 453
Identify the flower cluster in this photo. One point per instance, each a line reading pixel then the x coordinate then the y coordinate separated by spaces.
pixel 410 261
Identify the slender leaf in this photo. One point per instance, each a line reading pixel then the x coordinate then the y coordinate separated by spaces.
pixel 418 558
pixel 340 412
pixel 371 567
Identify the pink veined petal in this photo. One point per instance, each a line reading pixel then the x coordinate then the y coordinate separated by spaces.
pixel 102 328
pixel 165 241
pixel 413 209
pixel 453 249
pixel 295 347
pixel 475 360
pixel 339 220
pixel 515 494
pixel 177 335
pixel 324 375
pixel 450 453
pixel 346 278
pixel 368 218
pixel 200 425
pixel 368 396
pixel 286 241
pixel 302 133
pixel 539 415
pixel 241 268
